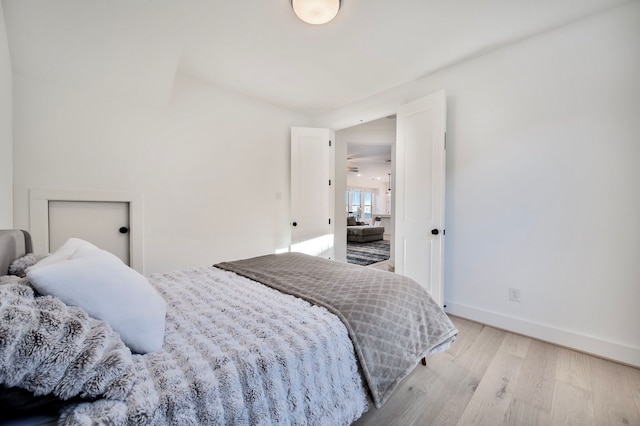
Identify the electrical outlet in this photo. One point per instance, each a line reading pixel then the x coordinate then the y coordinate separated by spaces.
pixel 514 294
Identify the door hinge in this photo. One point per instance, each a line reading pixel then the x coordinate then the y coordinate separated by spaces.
pixel 329 143
pixel 329 221
pixel 445 141
pixel 329 182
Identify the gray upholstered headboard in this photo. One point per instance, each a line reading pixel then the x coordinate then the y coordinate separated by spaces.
pixel 13 244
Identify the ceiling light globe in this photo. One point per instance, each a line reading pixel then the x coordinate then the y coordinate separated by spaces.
pixel 316 12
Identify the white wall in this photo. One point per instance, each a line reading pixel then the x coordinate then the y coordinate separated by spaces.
pixel 340 228
pixel 209 165
pixel 6 132
pixel 100 104
pixel 542 182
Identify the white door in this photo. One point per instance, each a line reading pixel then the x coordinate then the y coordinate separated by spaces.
pixel 311 191
pixel 104 224
pixel 419 197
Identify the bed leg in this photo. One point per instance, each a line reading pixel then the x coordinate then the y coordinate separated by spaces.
pixel 424 361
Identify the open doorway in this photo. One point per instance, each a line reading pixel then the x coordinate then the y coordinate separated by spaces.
pixel 417 186
pixel 368 151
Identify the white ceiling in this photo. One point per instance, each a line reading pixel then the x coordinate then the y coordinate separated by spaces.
pixel 369 150
pixel 372 161
pixel 259 48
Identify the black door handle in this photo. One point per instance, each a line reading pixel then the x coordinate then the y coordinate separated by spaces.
pixel 123 230
pixel 295 223
pixel 435 232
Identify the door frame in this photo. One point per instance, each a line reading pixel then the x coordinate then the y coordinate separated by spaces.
pixel 39 216
pixel 341 148
pixel 388 106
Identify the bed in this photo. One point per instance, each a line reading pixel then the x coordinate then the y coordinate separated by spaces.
pixel 276 339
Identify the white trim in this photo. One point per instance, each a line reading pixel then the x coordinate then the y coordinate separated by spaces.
pixel 332 193
pixel 580 342
pixel 39 216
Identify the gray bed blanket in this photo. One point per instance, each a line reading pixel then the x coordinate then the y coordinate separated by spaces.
pixel 392 320
pixel 47 347
pixel 237 352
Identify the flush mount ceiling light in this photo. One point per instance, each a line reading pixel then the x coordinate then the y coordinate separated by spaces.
pixel 316 12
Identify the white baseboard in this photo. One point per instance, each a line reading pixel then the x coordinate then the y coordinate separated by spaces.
pixel 580 342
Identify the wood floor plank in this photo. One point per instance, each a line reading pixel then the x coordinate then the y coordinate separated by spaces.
pixel 520 413
pixel 515 345
pixel 633 378
pixel 399 410
pixel 427 387
pixel 573 367
pixel 449 398
pixel 471 367
pixel 477 356
pixel 572 405
pixel 491 400
pixel 468 332
pixel 612 408
pixel 537 376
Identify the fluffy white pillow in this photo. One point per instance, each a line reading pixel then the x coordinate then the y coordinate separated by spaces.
pixel 63 253
pixel 107 289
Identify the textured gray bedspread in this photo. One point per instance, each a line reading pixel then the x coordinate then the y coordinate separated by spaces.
pixel 237 353
pixel 392 320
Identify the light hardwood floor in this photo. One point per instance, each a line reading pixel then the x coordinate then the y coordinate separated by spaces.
pixel 493 377
pixel 384 265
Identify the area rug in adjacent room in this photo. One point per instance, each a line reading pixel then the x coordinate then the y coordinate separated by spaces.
pixel 368 253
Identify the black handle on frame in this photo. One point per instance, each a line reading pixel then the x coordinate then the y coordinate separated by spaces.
pixel 295 223
pixel 123 230
pixel 435 232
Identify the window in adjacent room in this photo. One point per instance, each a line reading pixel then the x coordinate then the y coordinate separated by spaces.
pixel 360 203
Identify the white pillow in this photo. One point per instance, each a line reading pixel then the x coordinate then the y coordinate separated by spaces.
pixel 63 253
pixel 107 289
